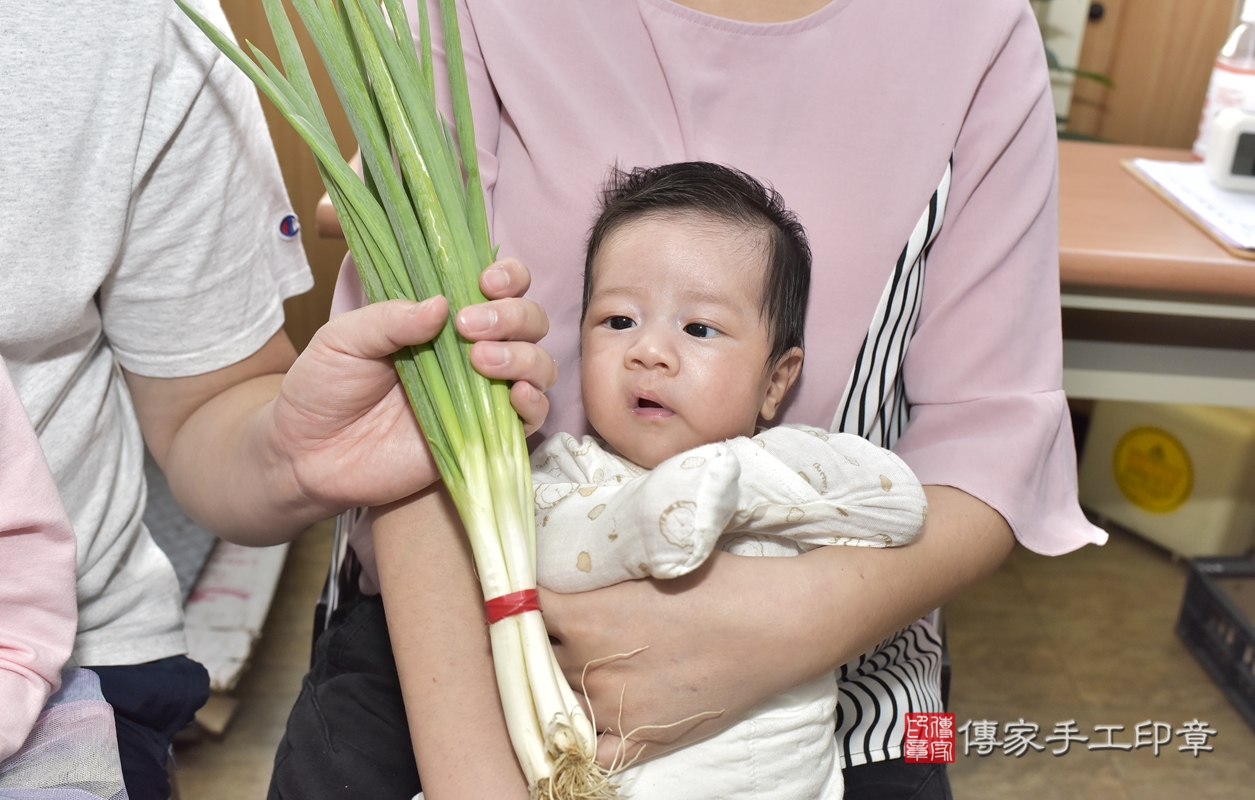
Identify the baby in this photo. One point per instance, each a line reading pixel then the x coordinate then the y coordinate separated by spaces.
pixel 695 291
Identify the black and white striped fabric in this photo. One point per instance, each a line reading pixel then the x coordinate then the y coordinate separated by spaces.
pixel 874 402
pixel 902 673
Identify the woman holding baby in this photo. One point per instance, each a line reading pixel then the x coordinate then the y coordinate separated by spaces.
pixel 916 144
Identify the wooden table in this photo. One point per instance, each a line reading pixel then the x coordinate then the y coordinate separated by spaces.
pixel 1153 308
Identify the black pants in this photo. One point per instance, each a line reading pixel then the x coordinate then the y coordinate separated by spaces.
pixel 347 736
pixel 151 703
pixel 897 780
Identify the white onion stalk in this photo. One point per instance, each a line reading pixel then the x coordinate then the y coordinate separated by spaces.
pixel 417 227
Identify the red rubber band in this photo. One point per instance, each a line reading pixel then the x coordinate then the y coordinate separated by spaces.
pixel 507 605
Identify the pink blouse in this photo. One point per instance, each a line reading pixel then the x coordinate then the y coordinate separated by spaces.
pixel 852 113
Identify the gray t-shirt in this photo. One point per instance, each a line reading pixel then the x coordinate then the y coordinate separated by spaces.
pixel 141 224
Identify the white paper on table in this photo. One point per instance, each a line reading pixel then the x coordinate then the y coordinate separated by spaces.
pixel 1229 214
pixel 224 615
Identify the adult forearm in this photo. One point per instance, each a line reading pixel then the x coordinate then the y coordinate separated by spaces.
pixel 740 630
pixel 844 600
pixel 257 455
pixel 259 450
pixel 861 595
pixel 440 642
pixel 229 475
pixel 208 432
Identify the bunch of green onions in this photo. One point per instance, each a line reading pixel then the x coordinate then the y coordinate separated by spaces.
pixel 417 227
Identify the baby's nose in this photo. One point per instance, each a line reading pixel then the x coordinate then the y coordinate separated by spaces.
pixel 653 350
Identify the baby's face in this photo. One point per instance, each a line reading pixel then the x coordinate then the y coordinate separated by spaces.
pixel 674 347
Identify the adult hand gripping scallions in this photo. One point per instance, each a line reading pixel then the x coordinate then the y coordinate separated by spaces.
pixel 376 454
pixel 417 229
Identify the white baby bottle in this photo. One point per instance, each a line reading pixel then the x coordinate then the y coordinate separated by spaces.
pixel 1232 79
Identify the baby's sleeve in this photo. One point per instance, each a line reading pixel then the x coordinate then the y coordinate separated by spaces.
pixel 818 488
pixel 601 520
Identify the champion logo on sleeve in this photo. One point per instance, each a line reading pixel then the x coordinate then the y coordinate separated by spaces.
pixel 289 226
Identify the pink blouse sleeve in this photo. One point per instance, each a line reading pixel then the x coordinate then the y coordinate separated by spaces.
pixel 984 370
pixel 38 612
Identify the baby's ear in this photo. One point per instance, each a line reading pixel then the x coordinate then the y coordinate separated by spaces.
pixel 781 378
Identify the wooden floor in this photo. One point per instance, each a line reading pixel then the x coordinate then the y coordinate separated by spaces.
pixel 237 766
pixel 1085 637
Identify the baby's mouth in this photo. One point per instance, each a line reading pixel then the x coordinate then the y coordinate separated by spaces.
pixel 650 407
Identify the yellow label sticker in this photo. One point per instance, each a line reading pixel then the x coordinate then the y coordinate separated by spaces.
pixel 1153 469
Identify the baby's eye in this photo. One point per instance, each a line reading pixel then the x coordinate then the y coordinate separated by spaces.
pixel 620 323
pixel 700 331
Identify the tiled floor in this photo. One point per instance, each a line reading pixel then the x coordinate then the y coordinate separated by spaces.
pixel 1087 636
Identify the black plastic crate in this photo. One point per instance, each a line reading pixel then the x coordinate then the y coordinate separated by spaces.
pixel 1217 625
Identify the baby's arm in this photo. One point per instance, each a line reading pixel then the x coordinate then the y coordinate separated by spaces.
pixel 818 488
pixel 37 601
pixel 601 520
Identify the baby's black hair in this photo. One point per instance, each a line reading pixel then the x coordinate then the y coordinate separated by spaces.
pixel 701 187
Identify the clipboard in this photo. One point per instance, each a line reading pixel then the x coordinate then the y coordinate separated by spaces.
pixel 1227 217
